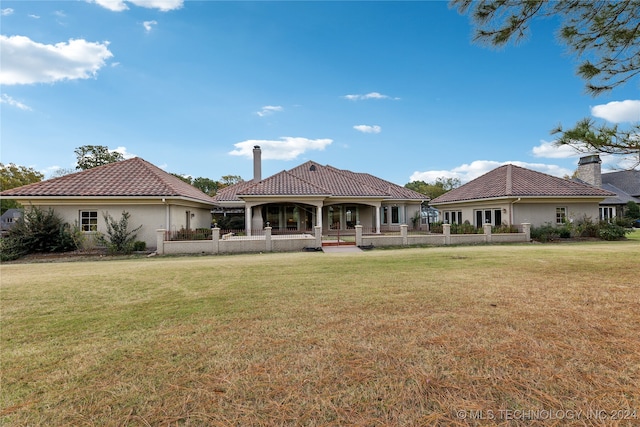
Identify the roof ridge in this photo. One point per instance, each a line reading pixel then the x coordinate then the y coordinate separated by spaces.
pixel 306 181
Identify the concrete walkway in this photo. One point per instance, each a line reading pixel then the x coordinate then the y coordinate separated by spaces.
pixel 339 249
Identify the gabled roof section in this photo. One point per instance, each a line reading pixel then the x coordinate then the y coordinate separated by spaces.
pixel 336 181
pixel 514 181
pixel 394 191
pixel 628 181
pixel 128 178
pixel 311 178
pixel 283 184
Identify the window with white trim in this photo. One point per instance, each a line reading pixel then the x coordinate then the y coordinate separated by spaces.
pixel 607 213
pixel 395 215
pixel 89 221
pixel 453 217
pixel 561 215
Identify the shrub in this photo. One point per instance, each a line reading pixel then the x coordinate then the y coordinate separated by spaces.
pixel 120 240
pixel 37 231
pixel 504 228
pixel 436 227
pixel 545 233
pixel 465 228
pixel 139 246
pixel 632 211
pixel 611 231
pixel 585 227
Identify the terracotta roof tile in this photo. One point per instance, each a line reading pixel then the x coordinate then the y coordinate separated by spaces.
pixel 129 178
pixel 515 181
pixel 311 178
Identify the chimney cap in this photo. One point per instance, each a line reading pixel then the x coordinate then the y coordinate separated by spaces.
pixel 257 147
pixel 589 159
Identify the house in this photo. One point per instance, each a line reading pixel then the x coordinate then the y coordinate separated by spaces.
pixel 8 219
pixel 312 195
pixel 514 195
pixel 154 198
pixel 624 184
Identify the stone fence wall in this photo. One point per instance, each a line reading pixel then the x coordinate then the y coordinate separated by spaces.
pixel 446 238
pixel 229 244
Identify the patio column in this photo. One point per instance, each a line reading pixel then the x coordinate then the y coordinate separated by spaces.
pixel 319 216
pixel 378 219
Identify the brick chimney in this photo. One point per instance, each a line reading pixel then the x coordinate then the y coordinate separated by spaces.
pixel 257 163
pixel 590 171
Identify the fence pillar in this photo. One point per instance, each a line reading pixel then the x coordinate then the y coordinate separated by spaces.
pixel 446 232
pixel 526 229
pixel 404 234
pixel 160 241
pixel 358 235
pixel 215 240
pixel 267 239
pixel 318 235
pixel 487 233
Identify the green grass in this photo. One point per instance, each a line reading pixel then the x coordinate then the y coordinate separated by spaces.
pixel 396 337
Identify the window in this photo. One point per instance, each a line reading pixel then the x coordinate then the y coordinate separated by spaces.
pixel 395 215
pixel 89 220
pixel 561 215
pixel 453 217
pixel 607 213
pixel 488 216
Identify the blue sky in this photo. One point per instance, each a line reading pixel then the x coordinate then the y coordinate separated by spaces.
pixel 395 89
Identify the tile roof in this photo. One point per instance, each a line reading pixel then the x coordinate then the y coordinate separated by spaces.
pixel 514 181
pixel 128 178
pixel 311 178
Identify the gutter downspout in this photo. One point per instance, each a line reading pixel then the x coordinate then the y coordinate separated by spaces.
pixel 511 213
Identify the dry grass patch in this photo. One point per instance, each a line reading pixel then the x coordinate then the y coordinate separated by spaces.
pixel 406 337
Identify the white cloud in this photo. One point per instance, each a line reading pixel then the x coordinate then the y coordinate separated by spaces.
pixel 25 61
pixel 286 148
pixel 618 111
pixel 148 25
pixel 121 5
pixel 473 170
pixel 125 154
pixel 6 99
pixel 371 95
pixel 550 150
pixel 6 12
pixel 269 109
pixel 368 129
pixel 34 16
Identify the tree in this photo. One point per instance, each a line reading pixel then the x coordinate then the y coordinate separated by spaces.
pixel 206 185
pixel 37 231
pixel 120 239
pixel 587 136
pixel 90 156
pixel 435 189
pixel 603 34
pixel 229 180
pixel 12 176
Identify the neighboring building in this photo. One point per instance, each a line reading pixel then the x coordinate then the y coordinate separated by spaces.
pixel 154 198
pixel 514 195
pixel 624 184
pixel 312 195
pixel 8 219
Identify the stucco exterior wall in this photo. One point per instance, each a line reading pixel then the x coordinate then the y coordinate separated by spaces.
pixel 538 214
pixel 150 216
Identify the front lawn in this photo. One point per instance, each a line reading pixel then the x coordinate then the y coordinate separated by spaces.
pixel 446 336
